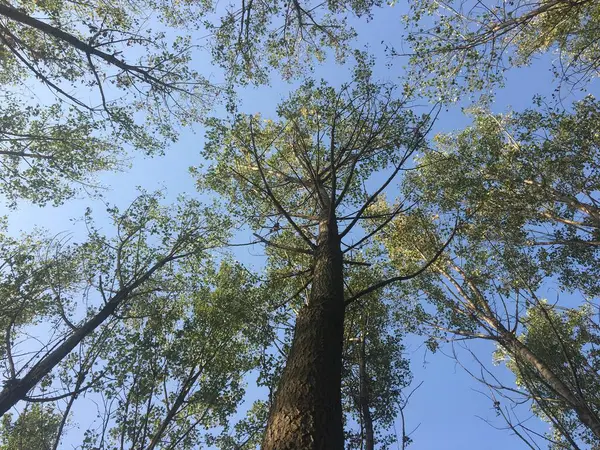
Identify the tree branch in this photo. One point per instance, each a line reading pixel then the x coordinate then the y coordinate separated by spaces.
pixel 384 283
pixel 18 16
pixel 282 247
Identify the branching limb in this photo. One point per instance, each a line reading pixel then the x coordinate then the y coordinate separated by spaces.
pixel 389 281
pixel 269 192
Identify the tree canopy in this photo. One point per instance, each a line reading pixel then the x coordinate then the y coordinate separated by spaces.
pixel 381 226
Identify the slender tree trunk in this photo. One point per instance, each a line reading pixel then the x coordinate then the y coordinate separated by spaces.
pixel 16 390
pixel 307 411
pixel 521 352
pixel 65 416
pixel 364 397
pixel 172 412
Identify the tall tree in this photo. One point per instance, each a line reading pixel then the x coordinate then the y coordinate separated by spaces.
pixel 488 292
pixel 526 186
pixel 300 183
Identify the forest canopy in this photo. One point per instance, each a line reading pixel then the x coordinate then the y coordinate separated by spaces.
pixel 299 225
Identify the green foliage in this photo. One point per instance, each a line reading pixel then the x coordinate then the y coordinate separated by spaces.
pixel 107 70
pixel 567 341
pixel 387 371
pixel 260 36
pixel 461 45
pixel 176 361
pixel 524 180
pixel 247 433
pixel 37 274
pixel 171 362
pixel 371 131
pixel 125 83
pixel 47 153
pixel 36 428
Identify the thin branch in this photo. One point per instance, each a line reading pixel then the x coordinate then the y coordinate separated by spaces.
pixel 281 246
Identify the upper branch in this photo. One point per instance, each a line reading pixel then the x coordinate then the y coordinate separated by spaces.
pixel 419 138
pixel 269 192
pixel 384 283
pixel 18 16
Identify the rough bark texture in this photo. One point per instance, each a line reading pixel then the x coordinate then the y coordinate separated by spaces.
pixel 307 411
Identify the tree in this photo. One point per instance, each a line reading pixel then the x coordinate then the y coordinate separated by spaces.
pixel 287 36
pixel 299 182
pixel 375 373
pixel 151 244
pixel 525 186
pixel 176 362
pixel 528 179
pixel 144 321
pixel 471 44
pixel 480 292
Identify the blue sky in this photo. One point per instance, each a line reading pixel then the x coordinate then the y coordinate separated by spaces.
pixel 446 407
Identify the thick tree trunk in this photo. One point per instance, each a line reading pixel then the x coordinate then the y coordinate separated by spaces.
pixel 307 411
pixel 364 397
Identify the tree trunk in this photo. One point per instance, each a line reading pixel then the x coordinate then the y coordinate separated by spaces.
pixel 521 352
pixel 16 390
pixel 307 411
pixel 364 397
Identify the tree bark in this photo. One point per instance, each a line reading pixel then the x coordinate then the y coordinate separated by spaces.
pixel 307 411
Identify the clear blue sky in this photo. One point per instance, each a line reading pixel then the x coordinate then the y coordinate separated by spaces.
pixel 447 404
